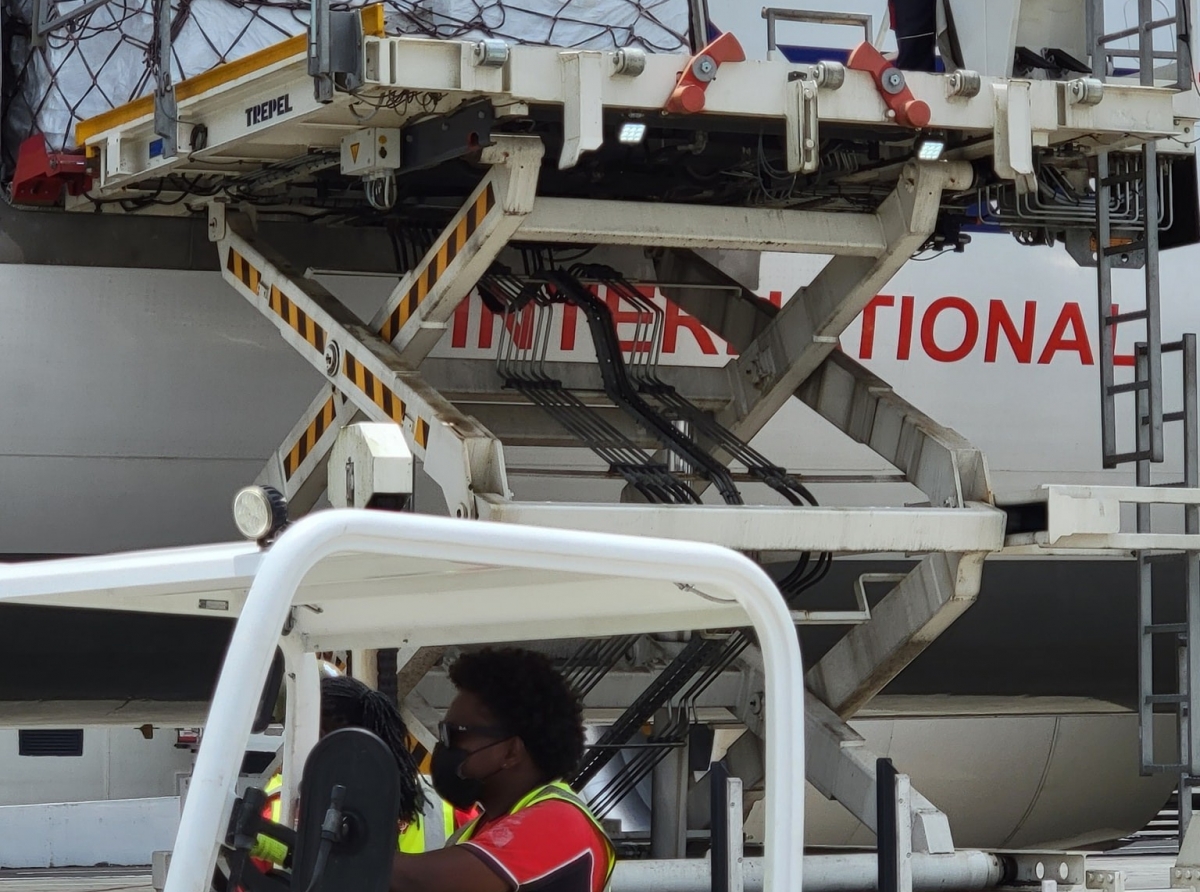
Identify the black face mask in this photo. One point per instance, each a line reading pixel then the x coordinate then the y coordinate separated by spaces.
pixel 448 781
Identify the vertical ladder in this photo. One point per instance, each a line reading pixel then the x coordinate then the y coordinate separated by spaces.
pixel 1144 52
pixel 1140 184
pixel 1147 380
pixel 1183 695
pixel 1109 252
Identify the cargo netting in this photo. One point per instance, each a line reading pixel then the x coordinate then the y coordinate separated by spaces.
pixel 106 58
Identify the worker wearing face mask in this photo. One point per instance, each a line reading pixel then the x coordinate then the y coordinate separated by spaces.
pixel 512 733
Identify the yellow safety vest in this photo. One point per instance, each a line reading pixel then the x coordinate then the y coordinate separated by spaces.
pixel 553 790
pixel 432 828
pixel 430 831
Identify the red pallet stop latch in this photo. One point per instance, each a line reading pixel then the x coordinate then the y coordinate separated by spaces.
pixel 701 70
pixel 41 176
pixel 892 85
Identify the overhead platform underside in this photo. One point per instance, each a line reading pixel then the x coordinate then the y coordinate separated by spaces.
pixel 252 132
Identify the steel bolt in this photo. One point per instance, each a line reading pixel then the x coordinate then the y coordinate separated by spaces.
pixel 704 69
pixel 892 81
pixel 333 358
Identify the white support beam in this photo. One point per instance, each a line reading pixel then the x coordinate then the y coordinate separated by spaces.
pixel 472 380
pixel 415 314
pixel 578 221
pixel 412 663
pixel 421 719
pixel 935 459
pixel 908 619
pixel 744 759
pixel 806 330
pixel 837 761
pixel 1083 518
pixel 458 453
pixel 976 528
pixel 841 767
pixel 737 315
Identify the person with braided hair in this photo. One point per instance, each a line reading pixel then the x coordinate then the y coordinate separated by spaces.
pixel 425 822
pixel 348 703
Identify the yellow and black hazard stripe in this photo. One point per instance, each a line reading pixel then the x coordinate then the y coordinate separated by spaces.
pixel 448 248
pixel 381 395
pixel 297 320
pixel 281 305
pixel 243 270
pixel 421 756
pixel 364 379
pixel 311 436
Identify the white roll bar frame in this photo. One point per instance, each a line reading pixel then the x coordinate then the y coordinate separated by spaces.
pixel 319 536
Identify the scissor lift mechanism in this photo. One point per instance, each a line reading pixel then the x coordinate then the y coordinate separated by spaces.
pixel 255 118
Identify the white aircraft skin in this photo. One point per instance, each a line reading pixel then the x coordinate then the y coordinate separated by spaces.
pixel 136 402
pixel 152 396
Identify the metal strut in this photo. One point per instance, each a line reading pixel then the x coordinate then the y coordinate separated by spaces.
pixel 458 453
pixel 526 309
pixel 415 313
pixel 682 682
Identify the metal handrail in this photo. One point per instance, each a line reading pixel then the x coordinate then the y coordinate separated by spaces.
pixel 813 17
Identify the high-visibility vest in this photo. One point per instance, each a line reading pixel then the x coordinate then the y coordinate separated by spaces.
pixel 553 790
pixel 430 831
pixel 432 828
pixel 267 851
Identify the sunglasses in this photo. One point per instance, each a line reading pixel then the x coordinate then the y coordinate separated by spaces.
pixel 447 730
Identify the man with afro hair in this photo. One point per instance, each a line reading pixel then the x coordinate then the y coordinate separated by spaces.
pixel 512 733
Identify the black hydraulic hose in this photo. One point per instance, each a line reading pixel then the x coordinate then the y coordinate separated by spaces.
pixel 623 393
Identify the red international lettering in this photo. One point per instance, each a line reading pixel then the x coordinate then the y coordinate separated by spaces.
pixel 1059 341
pixel 570 319
pixel 1021 343
pixel 866 340
pixel 929 321
pixel 462 320
pixel 632 317
pixel 904 343
pixel 676 319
